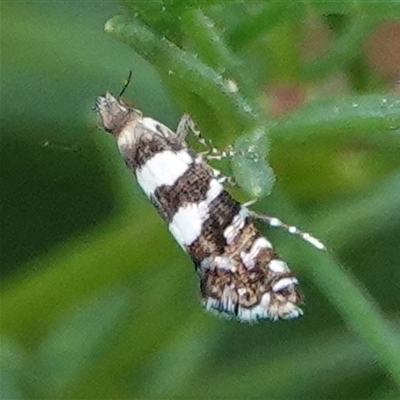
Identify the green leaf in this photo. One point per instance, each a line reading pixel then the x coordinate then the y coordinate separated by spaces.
pixel 336 119
pixel 228 110
pixel 250 167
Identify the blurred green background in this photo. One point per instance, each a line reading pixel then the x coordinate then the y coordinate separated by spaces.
pixel 97 299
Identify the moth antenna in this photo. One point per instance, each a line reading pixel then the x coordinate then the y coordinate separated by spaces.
pixel 126 84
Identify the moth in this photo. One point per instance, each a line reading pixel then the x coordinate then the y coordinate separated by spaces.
pixel 241 276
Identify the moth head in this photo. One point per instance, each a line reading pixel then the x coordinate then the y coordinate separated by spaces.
pixel 114 112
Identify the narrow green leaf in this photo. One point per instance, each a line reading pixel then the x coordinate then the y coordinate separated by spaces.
pixel 355 306
pixel 250 167
pixel 358 310
pixel 336 119
pixel 230 109
pixel 208 43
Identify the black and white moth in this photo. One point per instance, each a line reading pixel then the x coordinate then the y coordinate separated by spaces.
pixel 240 274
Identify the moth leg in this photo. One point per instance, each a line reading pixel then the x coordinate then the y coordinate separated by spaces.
pixel 275 222
pixel 186 124
pixel 216 154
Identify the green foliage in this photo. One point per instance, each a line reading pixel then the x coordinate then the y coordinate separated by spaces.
pixel 97 300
